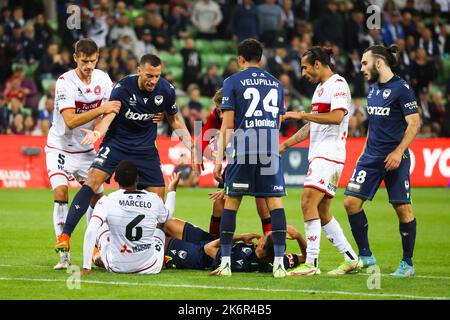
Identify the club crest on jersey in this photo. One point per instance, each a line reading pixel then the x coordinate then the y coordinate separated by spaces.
pixel 97 89
pixel 254 74
pixel 406 184
pixel 386 93
pixel 182 254
pixel 158 100
pixel 247 251
pixel 320 92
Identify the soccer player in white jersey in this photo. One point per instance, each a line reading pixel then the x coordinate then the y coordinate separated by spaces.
pixel 327 129
pixel 124 226
pixel 81 97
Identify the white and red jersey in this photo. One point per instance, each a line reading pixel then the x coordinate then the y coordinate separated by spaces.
pixel 132 217
pixel 327 141
pixel 72 93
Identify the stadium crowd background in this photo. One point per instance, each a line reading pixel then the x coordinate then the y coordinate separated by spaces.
pixel 197 39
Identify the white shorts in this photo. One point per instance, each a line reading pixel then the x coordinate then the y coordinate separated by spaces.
pixel 63 166
pixel 153 265
pixel 324 175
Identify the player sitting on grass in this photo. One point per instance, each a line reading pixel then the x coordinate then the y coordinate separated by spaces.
pixel 123 226
pixel 190 247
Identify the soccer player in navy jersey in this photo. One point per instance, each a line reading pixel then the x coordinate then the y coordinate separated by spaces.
pixel 252 105
pixel 131 135
pixel 394 122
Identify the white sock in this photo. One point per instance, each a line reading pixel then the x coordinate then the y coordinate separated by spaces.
pixel 312 230
pixel 225 260
pixel 89 215
pixel 278 261
pixel 59 217
pixel 336 236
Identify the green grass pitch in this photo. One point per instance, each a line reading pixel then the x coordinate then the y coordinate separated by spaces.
pixel 27 256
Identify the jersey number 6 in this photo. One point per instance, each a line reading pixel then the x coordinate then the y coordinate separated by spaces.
pixel 130 227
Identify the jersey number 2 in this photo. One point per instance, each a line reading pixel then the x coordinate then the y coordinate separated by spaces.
pixel 270 102
pixel 130 227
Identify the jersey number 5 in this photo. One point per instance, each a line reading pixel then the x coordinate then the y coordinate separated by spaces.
pixel 130 227
pixel 270 102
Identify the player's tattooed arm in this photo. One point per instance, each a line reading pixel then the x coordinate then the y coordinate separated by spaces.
pixel 394 158
pixel 301 135
pixel 246 237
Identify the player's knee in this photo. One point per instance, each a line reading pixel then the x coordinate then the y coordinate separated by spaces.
pixel 94 182
pixel 404 212
pixel 351 205
pixel 61 193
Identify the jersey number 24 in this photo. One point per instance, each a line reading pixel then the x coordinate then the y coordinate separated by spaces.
pixel 270 102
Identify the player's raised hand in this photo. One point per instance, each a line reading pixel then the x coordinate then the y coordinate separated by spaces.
pixel 111 106
pixel 393 160
pixel 292 233
pixel 91 136
pixel 217 195
pixel 248 237
pixel 174 179
pixel 158 117
pixel 218 172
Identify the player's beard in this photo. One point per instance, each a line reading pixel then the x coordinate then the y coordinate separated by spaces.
pixel 374 75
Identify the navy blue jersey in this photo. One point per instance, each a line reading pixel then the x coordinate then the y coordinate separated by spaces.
pixel 133 127
pixel 387 106
pixel 243 258
pixel 257 99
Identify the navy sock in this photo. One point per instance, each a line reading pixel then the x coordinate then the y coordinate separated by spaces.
pixel 78 208
pixel 408 234
pixel 278 219
pixel 227 228
pixel 360 228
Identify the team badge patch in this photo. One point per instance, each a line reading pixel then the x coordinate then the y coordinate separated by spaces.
pixel 295 159
pixel 158 100
pixel 386 93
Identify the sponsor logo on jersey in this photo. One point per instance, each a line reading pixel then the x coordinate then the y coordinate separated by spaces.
pixel 411 105
pixel 240 262
pixel 340 95
pixel 138 116
pixel 80 93
pixel 277 188
pixel 331 187
pixel 378 111
pixel 159 99
pixel 145 100
pixel 378 91
pixel 321 181
pixel 125 249
pixel 370 93
pixel 386 93
pixel 61 94
pixel 240 186
pixel 141 247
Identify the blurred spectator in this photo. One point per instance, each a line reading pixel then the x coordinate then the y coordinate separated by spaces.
pixel 403 68
pixel 28 86
pixel 244 21
pixel 374 37
pixel 13 89
pixel 289 19
pixel 231 68
pixel 427 42
pixel 139 26
pixel 353 74
pixel 270 22
pixel 357 122
pixel 30 128
pixel 437 109
pixel 330 25
pixel 356 33
pixel 43 33
pixel 192 63
pixel 445 132
pixel 5 55
pixel 17 125
pixel 145 45
pixel 423 71
pixel 51 64
pixel 285 81
pixel 4 114
pixel 50 94
pixel 194 105
pixel 206 17
pixel 211 80
pixel 120 9
pixel 47 113
pixel 408 25
pixel 424 105
pixel 161 35
pixel 97 26
pixel 122 28
pixel 178 20
pixel 278 64
pixel 393 29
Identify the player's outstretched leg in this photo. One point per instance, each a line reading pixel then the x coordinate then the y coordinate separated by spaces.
pixel 360 228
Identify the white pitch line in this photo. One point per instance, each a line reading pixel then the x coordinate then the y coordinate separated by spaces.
pixel 167 285
pixel 360 273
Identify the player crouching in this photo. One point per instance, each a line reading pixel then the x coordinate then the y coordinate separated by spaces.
pixel 124 229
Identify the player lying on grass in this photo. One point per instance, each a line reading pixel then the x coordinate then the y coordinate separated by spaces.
pixel 190 247
pixel 122 234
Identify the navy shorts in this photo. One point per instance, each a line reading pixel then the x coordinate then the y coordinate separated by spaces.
pixel 370 172
pixel 188 253
pixel 258 180
pixel 146 161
